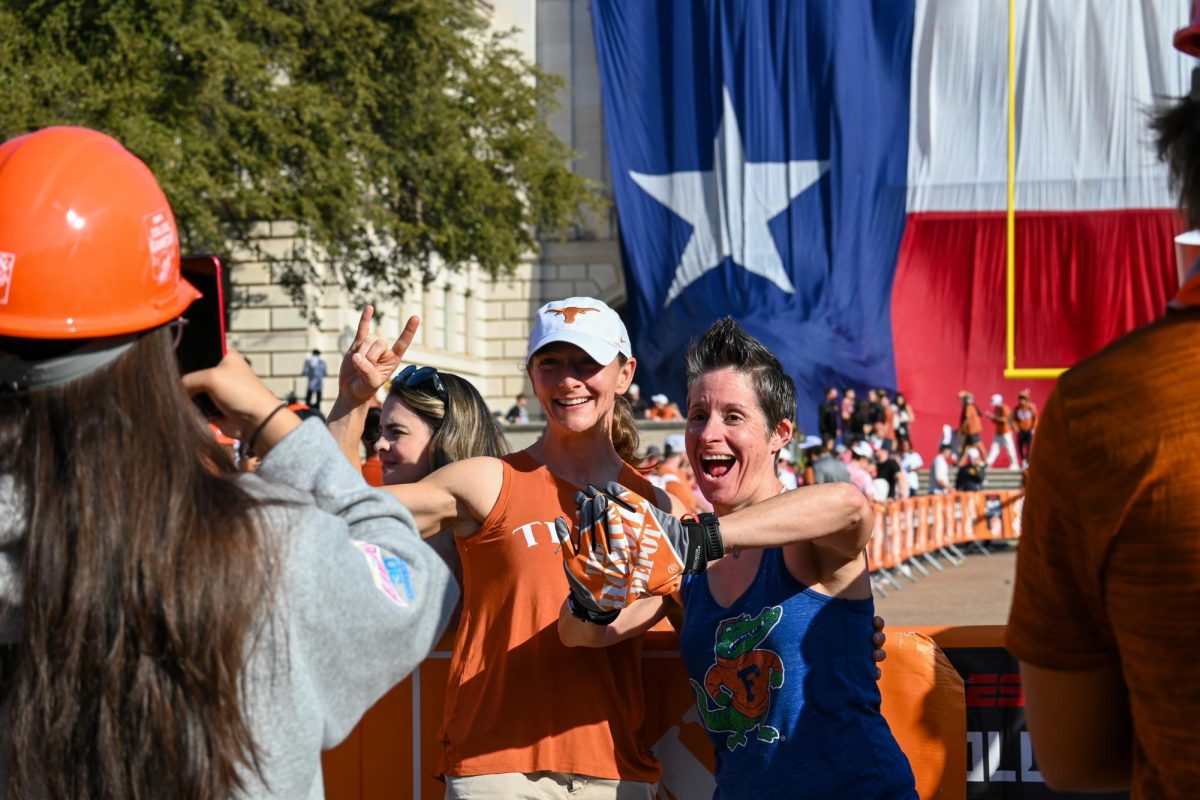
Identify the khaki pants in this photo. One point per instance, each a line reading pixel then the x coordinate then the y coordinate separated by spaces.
pixel 544 786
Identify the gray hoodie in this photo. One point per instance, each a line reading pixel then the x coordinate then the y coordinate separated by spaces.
pixel 360 602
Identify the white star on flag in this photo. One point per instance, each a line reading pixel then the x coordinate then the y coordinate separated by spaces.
pixel 729 207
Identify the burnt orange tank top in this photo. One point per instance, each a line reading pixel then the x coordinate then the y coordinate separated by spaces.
pixel 518 700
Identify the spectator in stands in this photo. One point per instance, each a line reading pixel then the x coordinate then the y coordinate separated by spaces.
pixel 885 425
pixel 1108 571
pixel 825 466
pixel 888 468
pixel 970 426
pixel 862 468
pixel 939 474
pixel 651 459
pixel 637 403
pixel 829 415
pixel 663 409
pixel 1001 417
pixel 972 469
pixel 804 466
pixel 862 423
pixel 846 414
pixel 1025 417
pixel 905 416
pixel 673 474
pixel 315 371
pixel 911 461
pixel 786 470
pixel 518 414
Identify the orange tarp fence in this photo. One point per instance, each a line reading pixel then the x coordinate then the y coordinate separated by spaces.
pixel 392 753
pixel 925 524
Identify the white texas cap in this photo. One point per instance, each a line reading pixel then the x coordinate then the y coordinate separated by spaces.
pixel 582 321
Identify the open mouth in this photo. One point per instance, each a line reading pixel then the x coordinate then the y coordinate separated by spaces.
pixel 716 466
pixel 573 402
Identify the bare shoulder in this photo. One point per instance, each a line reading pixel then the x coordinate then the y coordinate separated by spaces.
pixel 473 482
pixel 465 491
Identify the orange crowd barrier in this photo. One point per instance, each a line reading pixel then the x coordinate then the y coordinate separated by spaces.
pixel 393 751
pixel 952 697
pixel 906 529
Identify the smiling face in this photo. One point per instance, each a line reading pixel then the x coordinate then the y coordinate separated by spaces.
pixel 403 446
pixel 730 444
pixel 576 393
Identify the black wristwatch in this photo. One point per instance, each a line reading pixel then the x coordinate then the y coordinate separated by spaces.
pixel 580 611
pixel 704 542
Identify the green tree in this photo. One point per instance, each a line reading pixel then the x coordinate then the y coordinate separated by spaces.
pixel 401 136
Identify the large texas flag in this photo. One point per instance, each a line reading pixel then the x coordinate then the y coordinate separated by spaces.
pixel 833 174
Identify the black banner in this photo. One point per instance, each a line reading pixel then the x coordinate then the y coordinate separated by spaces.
pixel 1000 759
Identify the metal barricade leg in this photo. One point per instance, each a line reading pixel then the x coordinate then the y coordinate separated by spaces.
pixel 956 559
pixel 906 571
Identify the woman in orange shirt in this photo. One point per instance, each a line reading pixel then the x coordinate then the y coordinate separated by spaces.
pixel 497 742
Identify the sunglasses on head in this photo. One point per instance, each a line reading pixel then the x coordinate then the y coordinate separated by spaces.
pixel 415 377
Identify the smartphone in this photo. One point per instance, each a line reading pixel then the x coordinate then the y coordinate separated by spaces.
pixel 202 343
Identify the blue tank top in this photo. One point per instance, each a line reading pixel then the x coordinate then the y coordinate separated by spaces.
pixel 785 686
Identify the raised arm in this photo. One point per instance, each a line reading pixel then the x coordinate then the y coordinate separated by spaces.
pixel 366 366
pixel 459 495
pixel 835 517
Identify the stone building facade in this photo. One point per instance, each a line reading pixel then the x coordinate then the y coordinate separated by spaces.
pixel 470 325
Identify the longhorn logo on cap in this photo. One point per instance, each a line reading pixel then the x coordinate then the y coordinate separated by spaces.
pixel 570 312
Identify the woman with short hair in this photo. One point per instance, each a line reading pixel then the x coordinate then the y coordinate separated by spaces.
pixel 777 634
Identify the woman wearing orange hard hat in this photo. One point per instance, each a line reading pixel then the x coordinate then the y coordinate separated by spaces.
pixel 168 627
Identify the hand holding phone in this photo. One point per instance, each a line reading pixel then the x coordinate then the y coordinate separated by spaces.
pixel 202 343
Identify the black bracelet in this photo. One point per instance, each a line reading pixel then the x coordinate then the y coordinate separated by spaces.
pixel 580 611
pixel 704 543
pixel 261 425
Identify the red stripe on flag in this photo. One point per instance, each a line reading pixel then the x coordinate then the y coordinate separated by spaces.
pixel 1083 279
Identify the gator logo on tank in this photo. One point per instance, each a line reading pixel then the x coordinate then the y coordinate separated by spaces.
pixel 739 684
pixel 7 262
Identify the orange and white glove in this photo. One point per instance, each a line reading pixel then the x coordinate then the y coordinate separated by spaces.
pixel 665 548
pixel 597 561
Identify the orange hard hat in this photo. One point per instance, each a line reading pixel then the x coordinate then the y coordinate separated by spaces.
pixel 1187 40
pixel 88 244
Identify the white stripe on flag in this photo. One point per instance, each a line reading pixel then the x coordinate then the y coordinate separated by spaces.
pixel 1087 72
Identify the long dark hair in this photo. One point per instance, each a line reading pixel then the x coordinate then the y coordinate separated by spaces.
pixel 146 584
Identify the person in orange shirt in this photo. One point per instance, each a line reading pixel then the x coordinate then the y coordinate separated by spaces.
pixel 1025 417
pixel 372 469
pixel 1108 571
pixel 497 743
pixel 663 409
pixel 1001 417
pixel 674 475
pixel 970 427
pixel 885 428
